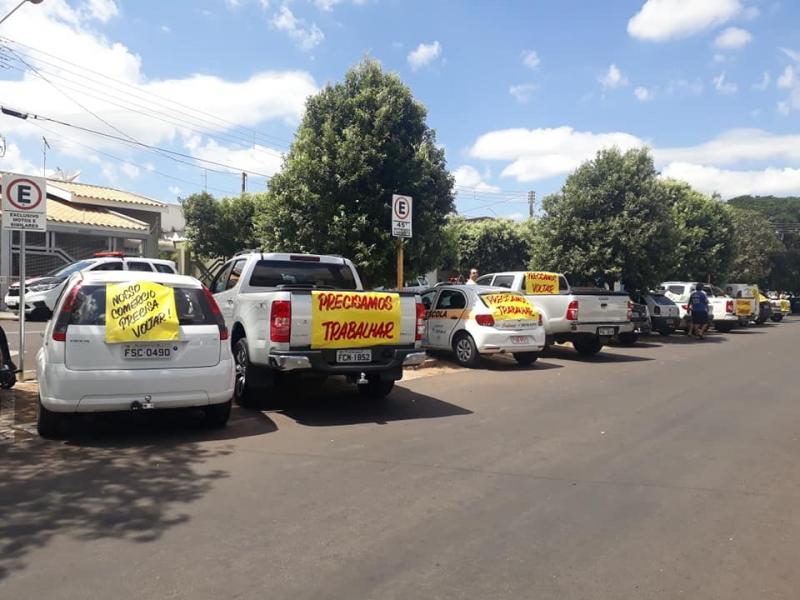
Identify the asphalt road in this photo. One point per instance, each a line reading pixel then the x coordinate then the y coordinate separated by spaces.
pixel 669 470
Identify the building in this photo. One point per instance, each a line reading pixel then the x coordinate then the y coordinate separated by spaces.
pixel 83 219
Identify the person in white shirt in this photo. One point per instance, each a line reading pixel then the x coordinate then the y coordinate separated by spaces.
pixel 473 276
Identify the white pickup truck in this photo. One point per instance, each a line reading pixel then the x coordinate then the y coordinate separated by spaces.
pixel 310 313
pixel 586 317
pixel 721 308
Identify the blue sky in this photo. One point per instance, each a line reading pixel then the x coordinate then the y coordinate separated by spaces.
pixel 519 92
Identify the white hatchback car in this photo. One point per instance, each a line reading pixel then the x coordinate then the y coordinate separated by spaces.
pixel 82 370
pixel 471 320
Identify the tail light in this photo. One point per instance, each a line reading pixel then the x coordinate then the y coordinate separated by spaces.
pixel 729 306
pixel 485 320
pixel 572 311
pixel 420 321
pixel 280 321
pixel 540 320
pixel 656 310
pixel 630 310
pixel 62 322
pixel 217 313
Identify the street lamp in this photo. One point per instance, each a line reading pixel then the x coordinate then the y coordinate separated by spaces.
pixel 17 7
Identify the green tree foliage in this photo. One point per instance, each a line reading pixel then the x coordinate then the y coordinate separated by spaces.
pixel 486 244
pixel 777 210
pixel 755 247
pixel 360 141
pixel 705 234
pixel 219 228
pixel 609 223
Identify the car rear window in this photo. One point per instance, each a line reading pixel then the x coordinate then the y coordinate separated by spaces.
pixel 164 268
pixel 504 281
pixel 275 273
pixel 662 300
pixel 90 306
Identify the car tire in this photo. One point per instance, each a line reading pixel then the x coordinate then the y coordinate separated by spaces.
pixel 587 346
pixel 48 423
pixel 243 389
pixel 376 388
pixel 466 351
pixel 217 415
pixel 723 327
pixel 526 359
pixel 628 338
pixel 776 318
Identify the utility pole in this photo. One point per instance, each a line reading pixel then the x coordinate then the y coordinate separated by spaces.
pixel 531 203
pixel 45 148
pixel 244 182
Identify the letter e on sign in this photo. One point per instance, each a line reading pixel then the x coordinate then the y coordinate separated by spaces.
pixel 401 216
pixel 24 202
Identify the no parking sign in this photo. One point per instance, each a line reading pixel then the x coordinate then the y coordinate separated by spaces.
pixel 24 202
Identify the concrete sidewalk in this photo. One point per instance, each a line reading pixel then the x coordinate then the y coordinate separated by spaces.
pixel 8 316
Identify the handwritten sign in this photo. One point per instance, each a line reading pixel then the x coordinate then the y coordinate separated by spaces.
pixel 744 307
pixel 140 311
pixel 354 319
pixel 508 306
pixel 541 283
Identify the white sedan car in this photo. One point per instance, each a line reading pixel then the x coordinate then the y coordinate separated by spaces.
pixel 471 320
pixel 127 341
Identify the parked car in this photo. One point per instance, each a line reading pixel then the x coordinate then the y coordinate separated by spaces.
pixel 664 313
pixel 307 313
pixel 722 308
pixel 746 297
pixel 105 349
pixel 781 307
pixel 472 321
pixel 764 309
pixel 41 293
pixel 640 317
pixel 587 317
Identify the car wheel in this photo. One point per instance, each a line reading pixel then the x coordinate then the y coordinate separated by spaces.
pixel 243 386
pixel 217 415
pixel 48 423
pixel 776 318
pixel 376 388
pixel 466 351
pixel 526 358
pixel 628 338
pixel 723 327
pixel 588 346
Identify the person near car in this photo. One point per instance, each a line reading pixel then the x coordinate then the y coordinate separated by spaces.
pixel 698 304
pixel 473 277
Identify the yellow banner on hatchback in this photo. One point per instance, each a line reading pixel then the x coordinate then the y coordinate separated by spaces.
pixel 140 311
pixel 354 319
pixel 541 283
pixel 744 307
pixel 508 306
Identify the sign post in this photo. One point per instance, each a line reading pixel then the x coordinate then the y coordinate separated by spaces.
pixel 401 229
pixel 24 209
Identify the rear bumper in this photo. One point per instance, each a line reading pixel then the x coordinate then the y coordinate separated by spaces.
pixel 64 390
pixel 496 341
pixel 666 323
pixel 389 362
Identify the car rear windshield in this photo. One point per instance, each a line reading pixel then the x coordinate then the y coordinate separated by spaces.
pixel 662 300
pixel 289 273
pixel 89 307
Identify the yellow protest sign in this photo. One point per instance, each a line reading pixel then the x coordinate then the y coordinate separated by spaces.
pixel 354 319
pixel 507 306
pixel 541 283
pixel 744 307
pixel 140 311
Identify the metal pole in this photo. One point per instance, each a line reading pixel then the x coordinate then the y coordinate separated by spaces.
pixel 22 305
pixel 13 10
pixel 400 263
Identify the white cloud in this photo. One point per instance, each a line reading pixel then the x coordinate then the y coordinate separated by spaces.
pixel 733 38
pixel 613 78
pixel 793 54
pixel 643 94
pixel 469 177
pixel 684 86
pixel 130 170
pixel 724 87
pixel 788 78
pixel 661 20
pixel 750 13
pixel 326 5
pixel 763 84
pixel 256 159
pixel 719 58
pixel 530 59
pixel 542 153
pixel 99 10
pixel 305 36
pixel 424 54
pixel 735 146
pixel 233 4
pixel 522 93
pixel 166 29
pixel 175 190
pixel 14 162
pixel 731 183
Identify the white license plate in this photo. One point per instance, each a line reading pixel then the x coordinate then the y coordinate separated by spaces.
pixel 148 351
pixel 520 339
pixel 605 331
pixel 12 304
pixel 353 356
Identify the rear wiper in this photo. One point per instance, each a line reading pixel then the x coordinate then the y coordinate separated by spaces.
pixel 303 286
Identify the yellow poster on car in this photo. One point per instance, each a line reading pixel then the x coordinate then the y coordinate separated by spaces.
pixel 541 283
pixel 745 307
pixel 140 311
pixel 354 319
pixel 508 306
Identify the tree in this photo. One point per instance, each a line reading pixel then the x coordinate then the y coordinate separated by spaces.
pixel 360 141
pixel 755 247
pixel 487 244
pixel 608 223
pixel 705 233
pixel 219 228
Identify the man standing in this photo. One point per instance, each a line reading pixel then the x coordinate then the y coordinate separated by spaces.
pixel 473 277
pixel 698 304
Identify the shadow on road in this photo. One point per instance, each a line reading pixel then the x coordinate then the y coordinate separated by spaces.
pixel 568 353
pixel 681 339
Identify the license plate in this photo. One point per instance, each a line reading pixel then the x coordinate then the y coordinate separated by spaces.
pixel 148 351
pixel 353 356
pixel 520 339
pixel 606 331
pixel 12 304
